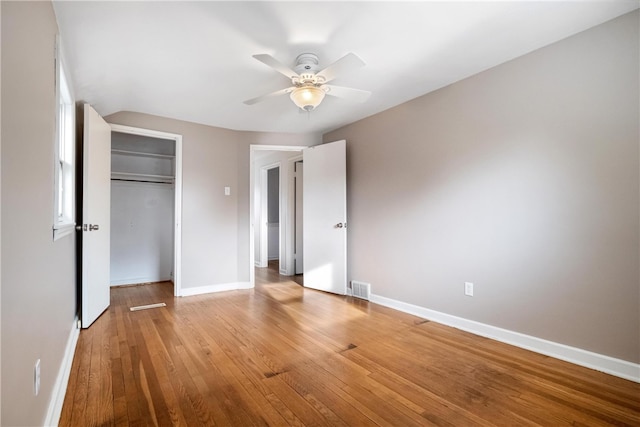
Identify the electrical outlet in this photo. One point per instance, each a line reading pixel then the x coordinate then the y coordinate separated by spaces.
pixel 36 378
pixel 468 289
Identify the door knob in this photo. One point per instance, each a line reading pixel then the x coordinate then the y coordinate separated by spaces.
pixel 341 225
pixel 87 227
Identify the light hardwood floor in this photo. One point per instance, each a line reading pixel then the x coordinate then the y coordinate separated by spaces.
pixel 285 355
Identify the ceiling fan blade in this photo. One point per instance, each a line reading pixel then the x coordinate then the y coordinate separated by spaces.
pixel 269 95
pixel 276 65
pixel 348 62
pixel 349 93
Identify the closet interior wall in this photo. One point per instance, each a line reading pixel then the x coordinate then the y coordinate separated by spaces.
pixel 142 209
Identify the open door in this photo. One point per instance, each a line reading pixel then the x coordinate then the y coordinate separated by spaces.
pixel 96 212
pixel 299 250
pixel 325 217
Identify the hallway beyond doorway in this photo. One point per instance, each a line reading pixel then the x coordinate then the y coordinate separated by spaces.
pixel 272 274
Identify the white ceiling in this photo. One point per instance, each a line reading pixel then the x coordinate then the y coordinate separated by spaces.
pixel 192 60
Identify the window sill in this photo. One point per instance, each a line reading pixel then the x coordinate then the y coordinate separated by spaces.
pixel 61 230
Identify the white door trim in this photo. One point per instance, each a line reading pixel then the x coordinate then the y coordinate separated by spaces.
pixel 252 149
pixel 177 238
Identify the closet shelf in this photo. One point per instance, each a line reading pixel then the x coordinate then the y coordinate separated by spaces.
pixel 142 154
pixel 128 176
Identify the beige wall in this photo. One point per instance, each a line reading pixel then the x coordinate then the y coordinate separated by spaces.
pixel 523 180
pixel 215 227
pixel 38 274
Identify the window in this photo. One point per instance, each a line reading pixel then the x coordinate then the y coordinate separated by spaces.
pixel 64 179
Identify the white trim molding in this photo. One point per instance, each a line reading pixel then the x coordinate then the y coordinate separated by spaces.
pixel 138 281
pixel 61 230
pixel 62 380
pixel 187 292
pixel 599 362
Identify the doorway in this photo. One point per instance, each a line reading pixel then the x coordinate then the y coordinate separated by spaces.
pixel 273 214
pixel 265 160
pixel 145 206
pixel 324 213
pixel 267 215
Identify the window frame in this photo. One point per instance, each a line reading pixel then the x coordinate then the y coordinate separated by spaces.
pixel 64 151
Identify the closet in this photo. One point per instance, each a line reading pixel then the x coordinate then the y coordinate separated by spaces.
pixel 142 209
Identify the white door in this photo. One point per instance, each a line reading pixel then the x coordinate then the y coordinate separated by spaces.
pixel 96 221
pixel 325 217
pixel 299 252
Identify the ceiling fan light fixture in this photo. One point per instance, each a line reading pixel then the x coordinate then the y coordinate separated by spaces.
pixel 307 97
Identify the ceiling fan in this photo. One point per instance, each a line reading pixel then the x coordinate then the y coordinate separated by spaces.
pixel 310 83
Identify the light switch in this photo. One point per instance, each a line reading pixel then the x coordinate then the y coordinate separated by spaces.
pixel 227 191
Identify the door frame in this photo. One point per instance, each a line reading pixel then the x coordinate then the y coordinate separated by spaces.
pixel 252 149
pixel 177 235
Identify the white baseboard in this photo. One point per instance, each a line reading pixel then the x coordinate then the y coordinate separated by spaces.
pixel 62 380
pixel 139 280
pixel 599 362
pixel 186 292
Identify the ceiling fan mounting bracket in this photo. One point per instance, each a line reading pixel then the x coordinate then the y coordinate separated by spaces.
pixel 306 63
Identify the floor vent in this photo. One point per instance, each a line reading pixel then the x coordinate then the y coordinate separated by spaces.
pixel 361 289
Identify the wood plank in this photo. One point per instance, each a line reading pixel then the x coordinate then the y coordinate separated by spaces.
pixel 75 399
pixel 281 354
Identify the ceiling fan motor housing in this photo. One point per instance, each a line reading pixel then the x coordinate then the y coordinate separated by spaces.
pixel 307 79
